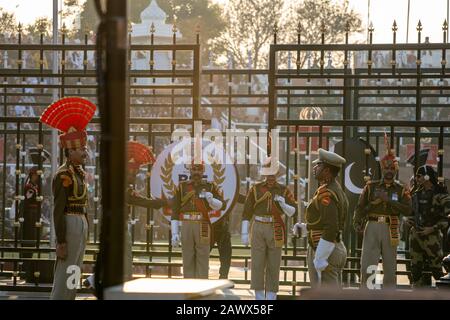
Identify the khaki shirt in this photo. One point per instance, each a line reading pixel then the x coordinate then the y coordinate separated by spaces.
pixel 260 197
pixel 327 211
pixel 399 200
pixel 187 192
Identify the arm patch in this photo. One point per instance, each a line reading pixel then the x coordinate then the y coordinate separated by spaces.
pixel 326 200
pixel 66 180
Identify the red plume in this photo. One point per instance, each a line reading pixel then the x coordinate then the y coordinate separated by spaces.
pixel 387 145
pixel 389 156
pixel 139 154
pixel 69 112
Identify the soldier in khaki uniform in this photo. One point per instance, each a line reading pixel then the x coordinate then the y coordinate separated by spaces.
pixel 70 115
pixel 431 206
pixel 193 201
pixel 377 213
pixel 325 218
pixel 266 203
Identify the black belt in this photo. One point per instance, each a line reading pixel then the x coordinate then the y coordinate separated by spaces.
pixel 73 210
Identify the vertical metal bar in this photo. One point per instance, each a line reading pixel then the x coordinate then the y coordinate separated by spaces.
pixel 407 21
pixel 322 52
pixel 272 91
pixel 394 41
pixel 54 137
pixel 96 187
pixel 41 60
pixel 113 144
pixel 149 213
pixel 296 178
pixel 40 147
pixel 286 218
pixel 443 57
pixel 19 60
pixel 230 99
pixel 441 154
pixel 85 61
pixel 17 190
pixel 307 168
pixel 368 18
pixel 418 98
pixel 63 80
pixel 369 55
pixel 5 167
pixel 196 85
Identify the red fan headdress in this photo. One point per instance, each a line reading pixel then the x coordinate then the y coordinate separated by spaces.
pixel 390 157
pixel 70 115
pixel 138 155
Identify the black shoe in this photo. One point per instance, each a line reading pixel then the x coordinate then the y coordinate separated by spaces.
pixel 87 284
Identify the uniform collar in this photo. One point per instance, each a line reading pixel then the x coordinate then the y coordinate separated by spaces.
pixel 387 184
pixel 202 183
pixel 275 185
pixel 328 183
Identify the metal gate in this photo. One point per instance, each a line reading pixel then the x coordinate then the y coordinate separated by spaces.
pixel 334 99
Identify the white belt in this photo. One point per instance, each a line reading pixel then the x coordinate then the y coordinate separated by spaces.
pixel 379 218
pixel 192 217
pixel 264 219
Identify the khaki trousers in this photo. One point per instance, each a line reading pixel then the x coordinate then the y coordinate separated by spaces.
pixel 332 275
pixel 195 253
pixel 266 258
pixel 376 243
pixel 67 279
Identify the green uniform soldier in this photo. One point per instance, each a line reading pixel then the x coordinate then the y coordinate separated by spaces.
pixel 193 201
pixel 377 215
pixel 70 115
pixel 431 205
pixel 325 218
pixel 266 203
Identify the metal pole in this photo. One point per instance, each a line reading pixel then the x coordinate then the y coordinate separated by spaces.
pixel 407 22
pixel 368 19
pixel 448 14
pixel 55 151
pixel 114 131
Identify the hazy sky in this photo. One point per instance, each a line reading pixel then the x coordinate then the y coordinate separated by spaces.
pixel 382 13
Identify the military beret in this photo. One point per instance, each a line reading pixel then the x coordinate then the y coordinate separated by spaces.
pixel 330 158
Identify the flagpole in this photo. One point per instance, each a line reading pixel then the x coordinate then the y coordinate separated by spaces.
pixel 407 21
pixel 368 19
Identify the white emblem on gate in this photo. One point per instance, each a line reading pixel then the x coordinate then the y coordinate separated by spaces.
pixel 169 169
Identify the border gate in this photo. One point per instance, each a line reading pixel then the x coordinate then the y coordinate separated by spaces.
pixel 340 97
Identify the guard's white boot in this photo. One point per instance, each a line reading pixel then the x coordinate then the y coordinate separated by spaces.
pixel 259 295
pixel 271 295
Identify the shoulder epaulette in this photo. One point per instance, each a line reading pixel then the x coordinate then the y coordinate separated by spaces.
pixel 324 195
pixel 62 169
pixel 65 176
